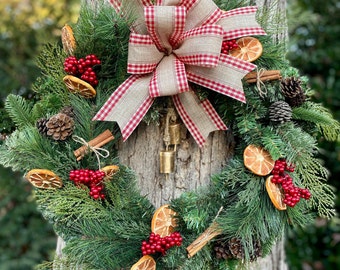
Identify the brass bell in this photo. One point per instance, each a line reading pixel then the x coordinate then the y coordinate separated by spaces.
pixel 167 161
pixel 175 133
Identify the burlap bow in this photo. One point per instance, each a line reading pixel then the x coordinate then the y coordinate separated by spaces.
pixel 171 43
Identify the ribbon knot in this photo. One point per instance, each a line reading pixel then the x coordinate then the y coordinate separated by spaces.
pixel 175 42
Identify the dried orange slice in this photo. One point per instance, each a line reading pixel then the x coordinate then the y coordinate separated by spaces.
pixel 275 194
pixel 163 221
pixel 258 160
pixel 249 49
pixel 145 263
pixel 68 40
pixel 78 86
pixel 42 178
pixel 110 170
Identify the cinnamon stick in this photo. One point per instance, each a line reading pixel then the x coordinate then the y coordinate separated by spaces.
pixel 203 239
pixel 266 75
pixel 97 142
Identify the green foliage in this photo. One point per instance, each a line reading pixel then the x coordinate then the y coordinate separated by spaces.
pixel 19 110
pixel 322 117
pixel 106 34
pixel 40 153
pixel 114 227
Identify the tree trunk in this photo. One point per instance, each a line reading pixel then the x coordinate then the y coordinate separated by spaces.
pixel 193 165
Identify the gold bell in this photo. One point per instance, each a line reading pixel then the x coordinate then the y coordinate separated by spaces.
pixel 167 161
pixel 175 133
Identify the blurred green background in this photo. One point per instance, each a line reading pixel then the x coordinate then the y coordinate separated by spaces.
pixel 314 48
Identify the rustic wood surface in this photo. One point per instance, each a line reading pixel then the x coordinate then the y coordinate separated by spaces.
pixel 193 165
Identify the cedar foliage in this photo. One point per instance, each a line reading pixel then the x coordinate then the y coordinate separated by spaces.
pixel 107 234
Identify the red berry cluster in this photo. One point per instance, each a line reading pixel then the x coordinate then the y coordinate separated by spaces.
pixel 228 45
pixel 83 68
pixel 292 193
pixel 90 178
pixel 160 244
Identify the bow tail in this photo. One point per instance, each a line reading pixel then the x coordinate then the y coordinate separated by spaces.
pixel 126 111
pixel 240 22
pixel 200 118
pixel 225 78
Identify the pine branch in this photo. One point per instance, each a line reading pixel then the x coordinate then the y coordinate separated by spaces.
pixel 104 32
pixel 273 143
pixel 315 113
pixel 312 175
pixel 19 110
pixel 298 144
pixel 27 149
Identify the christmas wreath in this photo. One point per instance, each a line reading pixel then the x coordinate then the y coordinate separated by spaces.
pixel 199 56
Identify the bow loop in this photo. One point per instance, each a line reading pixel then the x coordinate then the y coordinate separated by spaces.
pixel 201 46
pixel 165 25
pixel 143 55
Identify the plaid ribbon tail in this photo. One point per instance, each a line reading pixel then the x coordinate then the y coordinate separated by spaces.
pixel 240 22
pixel 127 111
pixel 200 118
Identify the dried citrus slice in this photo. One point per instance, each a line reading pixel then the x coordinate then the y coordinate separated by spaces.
pixel 78 86
pixel 258 160
pixel 163 221
pixel 275 194
pixel 42 178
pixel 110 170
pixel 145 263
pixel 249 49
pixel 68 40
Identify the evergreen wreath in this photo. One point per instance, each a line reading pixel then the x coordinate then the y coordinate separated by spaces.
pixel 106 230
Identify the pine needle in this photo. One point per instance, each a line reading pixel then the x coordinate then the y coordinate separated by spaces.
pixel 19 110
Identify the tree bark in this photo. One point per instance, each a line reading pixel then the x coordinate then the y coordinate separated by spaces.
pixel 193 165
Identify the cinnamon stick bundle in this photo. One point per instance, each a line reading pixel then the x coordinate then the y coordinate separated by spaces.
pixel 264 76
pixel 97 142
pixel 203 239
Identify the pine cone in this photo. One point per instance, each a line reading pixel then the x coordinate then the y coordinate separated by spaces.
pixel 280 112
pixel 257 250
pixel 68 110
pixel 41 126
pixel 291 89
pixel 60 127
pixel 297 101
pixel 222 251
pixel 233 249
pixel 236 248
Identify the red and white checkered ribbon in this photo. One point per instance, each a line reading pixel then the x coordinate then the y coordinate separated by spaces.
pixel 172 43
